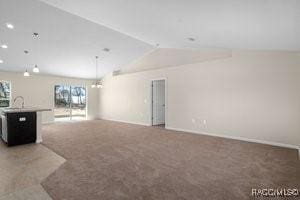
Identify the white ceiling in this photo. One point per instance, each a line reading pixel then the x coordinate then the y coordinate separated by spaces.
pixel 234 24
pixel 70 40
pixel 67 45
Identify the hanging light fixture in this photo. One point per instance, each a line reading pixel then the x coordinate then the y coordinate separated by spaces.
pixel 36 69
pixel 97 83
pixel 26 73
pixel 94 84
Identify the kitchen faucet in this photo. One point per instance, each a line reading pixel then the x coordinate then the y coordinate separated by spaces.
pixel 20 97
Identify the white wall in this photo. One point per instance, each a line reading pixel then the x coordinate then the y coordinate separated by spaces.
pixel 38 91
pixel 253 94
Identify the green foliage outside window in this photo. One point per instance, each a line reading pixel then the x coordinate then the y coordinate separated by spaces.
pixel 4 94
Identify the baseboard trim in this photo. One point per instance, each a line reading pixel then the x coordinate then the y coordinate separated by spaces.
pixel 290 146
pixel 124 121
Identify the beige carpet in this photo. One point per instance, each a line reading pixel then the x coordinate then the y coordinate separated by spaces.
pixel 109 160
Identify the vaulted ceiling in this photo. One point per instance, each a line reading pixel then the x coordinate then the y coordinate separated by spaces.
pixel 66 45
pixel 241 24
pixel 72 32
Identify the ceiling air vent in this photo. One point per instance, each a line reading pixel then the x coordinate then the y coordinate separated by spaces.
pixel 116 72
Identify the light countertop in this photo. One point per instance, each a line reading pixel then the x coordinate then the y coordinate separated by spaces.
pixel 26 109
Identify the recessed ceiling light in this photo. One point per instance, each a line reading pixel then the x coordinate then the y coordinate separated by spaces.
pixel 1 61
pixel 191 39
pixel 9 25
pixel 4 46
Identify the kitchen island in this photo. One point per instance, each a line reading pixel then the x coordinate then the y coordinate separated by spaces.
pixel 22 125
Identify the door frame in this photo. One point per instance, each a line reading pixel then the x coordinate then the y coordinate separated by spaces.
pixel 166 100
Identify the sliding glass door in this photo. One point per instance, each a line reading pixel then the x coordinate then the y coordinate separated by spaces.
pixel 62 98
pixel 70 102
pixel 78 103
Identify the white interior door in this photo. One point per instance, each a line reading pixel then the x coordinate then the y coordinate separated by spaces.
pixel 158 102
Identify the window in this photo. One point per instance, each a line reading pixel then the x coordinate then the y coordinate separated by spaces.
pixel 5 94
pixel 70 102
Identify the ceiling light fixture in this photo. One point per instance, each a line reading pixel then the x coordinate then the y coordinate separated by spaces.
pixel 10 26
pixel 97 83
pixel 4 46
pixel 36 69
pixel 1 61
pixel 26 73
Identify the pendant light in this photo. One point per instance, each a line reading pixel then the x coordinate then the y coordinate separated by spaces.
pixel 97 83
pixel 94 84
pixel 26 73
pixel 36 69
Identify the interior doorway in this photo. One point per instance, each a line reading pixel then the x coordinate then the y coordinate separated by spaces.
pixel 158 102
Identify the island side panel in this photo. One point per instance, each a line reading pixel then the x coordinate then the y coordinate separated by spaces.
pixel 39 127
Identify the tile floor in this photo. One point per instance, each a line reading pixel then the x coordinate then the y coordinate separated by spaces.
pixel 23 168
